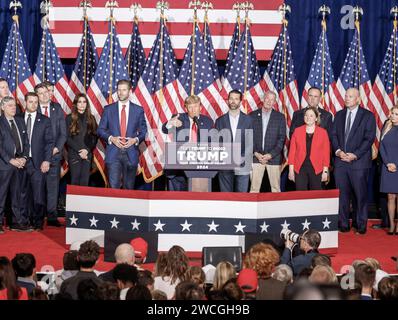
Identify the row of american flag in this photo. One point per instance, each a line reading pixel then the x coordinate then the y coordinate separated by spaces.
pixel 160 87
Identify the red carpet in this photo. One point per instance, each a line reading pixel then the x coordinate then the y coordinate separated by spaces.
pixel 48 247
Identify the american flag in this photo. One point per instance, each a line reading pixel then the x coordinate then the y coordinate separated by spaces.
pixel 233 47
pixel 280 77
pixel 354 74
pixel 321 75
pixel 198 76
pixel 15 67
pixel 209 47
pixel 157 93
pixel 103 87
pixel 85 65
pixel 49 68
pixel 135 56
pixel 385 85
pixel 244 73
pixel 68 25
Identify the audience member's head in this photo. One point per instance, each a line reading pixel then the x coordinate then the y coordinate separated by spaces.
pixel 323 275
pixel 7 279
pixel 108 291
pixel 380 274
pixel 188 290
pixel 140 248
pixel 373 263
pixel 321 260
pixel 177 264
pixel 24 265
pixel 196 275
pixel 224 272
pixel 232 291
pixel 88 254
pixel 262 258
pixel 160 264
pixel 125 275
pixel 38 294
pixel 159 295
pixel 70 261
pixel 388 289
pixel 310 240
pixel 365 275
pixel 87 290
pixel 124 253
pixel 144 278
pixel 283 273
pixel 138 292
pixel 248 280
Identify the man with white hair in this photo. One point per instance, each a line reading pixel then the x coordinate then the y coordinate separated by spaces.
pixel 124 253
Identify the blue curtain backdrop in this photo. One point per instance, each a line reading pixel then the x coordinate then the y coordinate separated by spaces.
pixel 304 28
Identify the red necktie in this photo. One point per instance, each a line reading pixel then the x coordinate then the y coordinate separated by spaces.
pixel 123 122
pixel 46 111
pixel 194 132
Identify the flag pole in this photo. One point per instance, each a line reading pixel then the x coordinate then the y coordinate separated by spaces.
pixel 237 7
pixel 284 9
pixel 15 5
pixel 134 7
pixel 358 12
pixel 394 12
pixel 206 6
pixel 324 11
pixel 195 5
pixel 112 4
pixel 162 6
pixel 45 9
pixel 246 6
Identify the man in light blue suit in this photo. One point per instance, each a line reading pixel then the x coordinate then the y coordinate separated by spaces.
pixel 123 128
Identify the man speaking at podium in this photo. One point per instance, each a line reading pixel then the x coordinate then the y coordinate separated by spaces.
pixel 186 127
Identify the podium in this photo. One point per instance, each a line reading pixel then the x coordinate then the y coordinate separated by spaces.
pixel 200 162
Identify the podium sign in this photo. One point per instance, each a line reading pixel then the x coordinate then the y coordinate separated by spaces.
pixel 202 156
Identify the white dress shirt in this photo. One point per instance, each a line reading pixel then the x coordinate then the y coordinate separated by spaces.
pixel 33 117
pixel 234 124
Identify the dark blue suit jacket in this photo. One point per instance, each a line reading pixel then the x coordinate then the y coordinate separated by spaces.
pixel 205 123
pixel 7 145
pixel 245 123
pixel 57 119
pixel 362 136
pixel 275 135
pixel 42 142
pixel 110 126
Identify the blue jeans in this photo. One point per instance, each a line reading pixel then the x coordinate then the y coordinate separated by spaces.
pixel 121 172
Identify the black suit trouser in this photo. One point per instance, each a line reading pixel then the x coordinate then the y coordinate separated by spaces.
pixel 10 181
pixel 306 179
pixel 80 171
pixel 52 185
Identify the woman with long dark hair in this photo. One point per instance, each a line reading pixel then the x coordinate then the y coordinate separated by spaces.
pixel 8 286
pixel 82 139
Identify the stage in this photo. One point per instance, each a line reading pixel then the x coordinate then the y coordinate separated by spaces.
pixel 48 246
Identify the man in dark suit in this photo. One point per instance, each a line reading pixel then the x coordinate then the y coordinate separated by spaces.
pixel 353 133
pixel 122 127
pixel 269 132
pixel 14 148
pixel 314 99
pixel 41 143
pixel 186 127
pixel 239 127
pixel 53 111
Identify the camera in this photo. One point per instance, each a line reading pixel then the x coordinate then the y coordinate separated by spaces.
pixel 287 234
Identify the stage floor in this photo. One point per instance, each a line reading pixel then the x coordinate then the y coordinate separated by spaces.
pixel 48 246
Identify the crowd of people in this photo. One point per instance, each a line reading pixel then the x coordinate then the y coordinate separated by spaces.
pixel 32 145
pixel 268 273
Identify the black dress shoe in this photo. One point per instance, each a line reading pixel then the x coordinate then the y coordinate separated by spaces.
pixel 344 230
pixel 21 228
pixel 54 223
pixel 391 233
pixel 361 232
pixel 38 228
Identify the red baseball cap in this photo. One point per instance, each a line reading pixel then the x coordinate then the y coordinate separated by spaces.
pixel 247 280
pixel 140 247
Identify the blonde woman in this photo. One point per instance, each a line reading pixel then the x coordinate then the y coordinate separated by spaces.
pixel 389 173
pixel 224 272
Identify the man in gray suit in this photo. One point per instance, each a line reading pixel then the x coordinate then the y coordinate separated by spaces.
pixel 269 138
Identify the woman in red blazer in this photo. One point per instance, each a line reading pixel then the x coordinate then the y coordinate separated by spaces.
pixel 309 154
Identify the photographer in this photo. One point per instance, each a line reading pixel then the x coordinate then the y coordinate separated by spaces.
pixel 309 243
